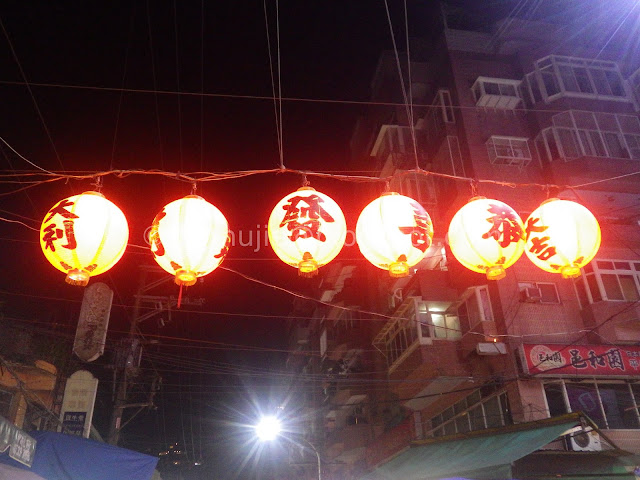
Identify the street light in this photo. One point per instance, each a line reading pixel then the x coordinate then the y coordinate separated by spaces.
pixel 269 428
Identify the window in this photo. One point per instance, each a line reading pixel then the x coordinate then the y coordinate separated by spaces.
pixel 444 97
pixel 446 326
pixel 578 133
pixel 609 404
pixel 412 325
pixel 478 411
pixel 557 76
pixel 496 92
pixel 541 292
pixel 609 280
pixel 404 331
pixel 508 151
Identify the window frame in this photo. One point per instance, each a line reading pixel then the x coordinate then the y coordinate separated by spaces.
pixel 441 426
pixel 591 279
pixel 593 141
pixel 513 145
pixel 479 90
pixel 597 384
pixel 523 285
pixel 553 70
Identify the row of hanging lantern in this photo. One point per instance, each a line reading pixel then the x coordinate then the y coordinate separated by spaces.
pixel 560 236
pixel 85 235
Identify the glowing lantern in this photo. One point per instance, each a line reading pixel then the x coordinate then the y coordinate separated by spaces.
pixel 562 237
pixel 394 233
pixel 189 239
pixel 307 230
pixel 487 236
pixel 83 236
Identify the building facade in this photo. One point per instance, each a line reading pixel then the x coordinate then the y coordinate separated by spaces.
pixel 528 102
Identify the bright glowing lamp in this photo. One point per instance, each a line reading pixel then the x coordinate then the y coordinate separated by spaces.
pixel 487 236
pixel 562 237
pixel 307 230
pixel 189 239
pixel 83 236
pixel 268 428
pixel 393 233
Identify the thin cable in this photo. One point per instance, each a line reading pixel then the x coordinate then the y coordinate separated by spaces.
pixel 411 117
pixel 24 158
pixel 21 223
pixel 268 98
pixel 273 84
pixel 124 78
pixel 279 85
pixel 402 85
pixel 29 199
pixel 305 297
pixel 201 84
pixel 33 97
pixel 175 28
pixel 153 74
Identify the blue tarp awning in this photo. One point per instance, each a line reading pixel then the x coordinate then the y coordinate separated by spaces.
pixel 68 457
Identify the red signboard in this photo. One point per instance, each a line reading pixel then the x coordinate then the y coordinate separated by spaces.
pixel 588 360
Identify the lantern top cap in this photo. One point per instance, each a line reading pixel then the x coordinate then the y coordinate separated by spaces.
pixel 306 187
pixel 548 200
pixel 385 194
pixel 93 192
pixel 197 197
pixel 477 197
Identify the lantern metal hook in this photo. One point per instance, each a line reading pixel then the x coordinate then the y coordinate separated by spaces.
pixel 194 187
pixel 387 186
pixel 473 184
pixel 97 184
pixel 305 182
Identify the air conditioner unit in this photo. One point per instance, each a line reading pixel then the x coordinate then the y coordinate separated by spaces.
pixel 491 348
pixel 585 441
pixel 531 295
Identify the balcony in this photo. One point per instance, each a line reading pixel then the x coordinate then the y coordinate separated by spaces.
pixel 557 77
pixel 500 93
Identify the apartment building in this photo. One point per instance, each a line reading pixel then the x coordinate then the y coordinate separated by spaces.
pixel 464 372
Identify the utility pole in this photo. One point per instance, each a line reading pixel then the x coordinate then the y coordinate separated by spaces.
pixel 130 350
pixel 128 357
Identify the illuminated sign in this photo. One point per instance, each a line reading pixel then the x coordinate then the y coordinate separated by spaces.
pixel 587 360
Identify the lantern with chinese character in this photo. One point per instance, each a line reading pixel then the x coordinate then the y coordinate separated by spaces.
pixel 394 232
pixel 83 236
pixel 487 236
pixel 189 239
pixel 562 237
pixel 307 230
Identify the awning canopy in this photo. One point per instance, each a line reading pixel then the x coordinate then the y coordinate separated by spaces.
pixel 476 455
pixel 60 456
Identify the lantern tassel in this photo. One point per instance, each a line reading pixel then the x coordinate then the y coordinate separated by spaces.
pixel 180 296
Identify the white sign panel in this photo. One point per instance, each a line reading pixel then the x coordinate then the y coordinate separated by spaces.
pixel 78 402
pixel 93 323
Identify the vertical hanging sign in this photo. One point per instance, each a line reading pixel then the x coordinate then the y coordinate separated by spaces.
pixel 93 323
pixel 78 402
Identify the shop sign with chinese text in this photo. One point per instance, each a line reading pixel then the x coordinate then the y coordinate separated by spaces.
pixel 588 360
